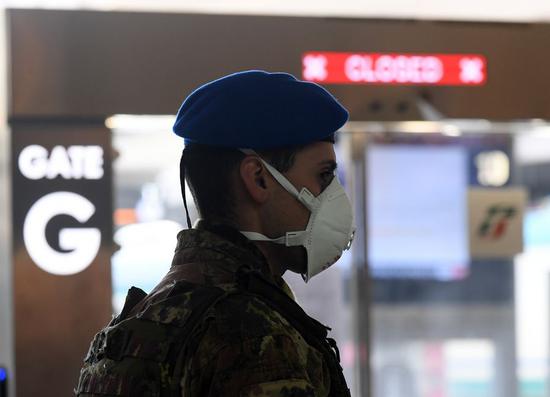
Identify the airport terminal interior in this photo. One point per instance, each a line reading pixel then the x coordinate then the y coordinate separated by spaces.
pixel 446 159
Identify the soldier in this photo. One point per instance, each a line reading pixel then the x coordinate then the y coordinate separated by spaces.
pixel 260 162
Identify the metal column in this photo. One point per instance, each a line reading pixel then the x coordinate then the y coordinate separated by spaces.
pixel 6 286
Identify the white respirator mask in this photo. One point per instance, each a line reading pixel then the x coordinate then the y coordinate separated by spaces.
pixel 330 229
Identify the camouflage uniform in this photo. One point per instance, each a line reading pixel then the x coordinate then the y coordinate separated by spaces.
pixel 218 324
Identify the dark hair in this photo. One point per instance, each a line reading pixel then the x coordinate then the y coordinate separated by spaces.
pixel 208 170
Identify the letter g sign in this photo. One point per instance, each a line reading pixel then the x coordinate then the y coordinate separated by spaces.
pixel 83 243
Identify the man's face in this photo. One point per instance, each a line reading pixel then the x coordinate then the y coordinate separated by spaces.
pixel 314 167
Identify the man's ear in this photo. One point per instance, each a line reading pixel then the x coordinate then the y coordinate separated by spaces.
pixel 253 175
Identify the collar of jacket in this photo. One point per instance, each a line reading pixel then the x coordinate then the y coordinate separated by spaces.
pixel 222 246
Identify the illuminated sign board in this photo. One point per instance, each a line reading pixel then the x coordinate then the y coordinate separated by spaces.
pixel 61 198
pixel 496 222
pixel 79 246
pixel 62 227
pixel 394 69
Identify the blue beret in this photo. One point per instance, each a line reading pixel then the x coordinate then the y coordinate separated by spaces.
pixel 259 110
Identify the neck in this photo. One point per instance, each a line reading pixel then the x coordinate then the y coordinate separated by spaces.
pixel 272 252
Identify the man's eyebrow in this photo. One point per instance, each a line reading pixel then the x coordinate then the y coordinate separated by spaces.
pixel 333 165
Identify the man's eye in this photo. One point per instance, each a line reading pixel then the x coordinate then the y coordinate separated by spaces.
pixel 327 176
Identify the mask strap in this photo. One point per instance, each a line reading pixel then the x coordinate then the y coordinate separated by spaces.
pixel 290 239
pixel 255 236
pixel 182 170
pixel 275 173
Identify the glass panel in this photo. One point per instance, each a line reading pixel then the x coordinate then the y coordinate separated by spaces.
pixel 445 324
pixel 148 205
pixel 532 268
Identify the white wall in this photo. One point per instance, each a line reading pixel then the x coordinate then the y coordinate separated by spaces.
pixel 490 10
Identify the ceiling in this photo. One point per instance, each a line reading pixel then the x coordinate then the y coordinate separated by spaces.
pixel 487 10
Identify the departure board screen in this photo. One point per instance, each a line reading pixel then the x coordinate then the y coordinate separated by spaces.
pixel 417 211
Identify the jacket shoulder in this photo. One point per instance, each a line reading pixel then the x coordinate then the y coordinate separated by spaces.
pixel 137 354
pixel 176 304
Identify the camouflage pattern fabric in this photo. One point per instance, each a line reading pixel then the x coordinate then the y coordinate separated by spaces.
pixel 200 332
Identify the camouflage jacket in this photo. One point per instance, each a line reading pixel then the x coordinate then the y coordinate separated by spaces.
pixel 218 324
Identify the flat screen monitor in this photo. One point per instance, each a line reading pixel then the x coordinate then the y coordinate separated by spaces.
pixel 417 211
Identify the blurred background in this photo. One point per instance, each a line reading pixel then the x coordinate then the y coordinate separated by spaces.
pixel 446 157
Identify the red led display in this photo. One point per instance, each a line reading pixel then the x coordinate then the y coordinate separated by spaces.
pixel 394 69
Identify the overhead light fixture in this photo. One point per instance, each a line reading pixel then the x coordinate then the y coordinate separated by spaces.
pixel 419 127
pixel 493 168
pixel 451 130
pixel 129 123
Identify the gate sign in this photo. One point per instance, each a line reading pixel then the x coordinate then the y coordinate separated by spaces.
pixel 496 222
pixel 62 244
pixel 61 194
pixel 394 69
pixel 80 245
